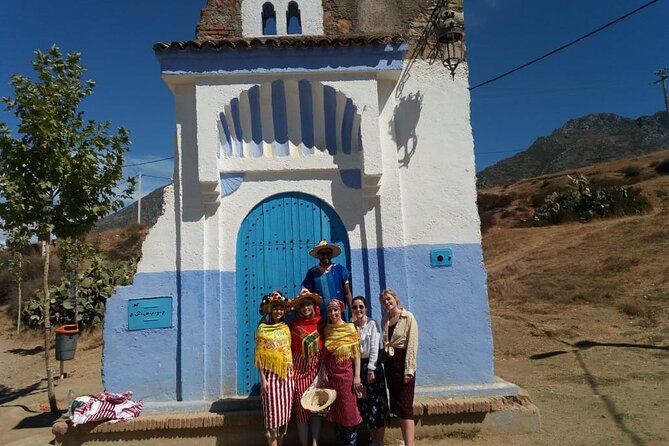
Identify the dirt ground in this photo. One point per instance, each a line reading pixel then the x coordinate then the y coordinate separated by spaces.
pixel 599 378
pixel 23 389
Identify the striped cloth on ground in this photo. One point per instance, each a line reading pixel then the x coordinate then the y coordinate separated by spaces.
pixel 112 407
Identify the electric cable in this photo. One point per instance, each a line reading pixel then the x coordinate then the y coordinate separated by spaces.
pixel 567 45
pixel 149 162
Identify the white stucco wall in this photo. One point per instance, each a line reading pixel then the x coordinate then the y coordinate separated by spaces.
pixel 438 184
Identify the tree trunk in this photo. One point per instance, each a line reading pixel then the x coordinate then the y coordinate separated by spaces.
pixel 73 295
pixel 18 318
pixel 47 327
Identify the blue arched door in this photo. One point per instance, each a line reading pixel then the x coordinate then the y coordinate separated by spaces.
pixel 273 246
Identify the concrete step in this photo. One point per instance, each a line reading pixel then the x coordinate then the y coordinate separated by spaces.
pixel 434 417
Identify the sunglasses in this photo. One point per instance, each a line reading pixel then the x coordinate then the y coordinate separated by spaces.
pixel 358 307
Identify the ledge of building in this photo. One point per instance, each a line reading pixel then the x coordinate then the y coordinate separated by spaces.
pixel 434 415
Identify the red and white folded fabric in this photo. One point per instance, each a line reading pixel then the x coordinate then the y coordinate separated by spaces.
pixel 112 407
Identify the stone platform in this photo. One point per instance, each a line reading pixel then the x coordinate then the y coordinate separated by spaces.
pixel 434 417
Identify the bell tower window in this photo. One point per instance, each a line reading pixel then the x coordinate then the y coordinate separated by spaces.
pixel 268 20
pixel 293 19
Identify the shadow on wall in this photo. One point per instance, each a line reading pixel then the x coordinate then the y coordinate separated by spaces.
pixel 403 126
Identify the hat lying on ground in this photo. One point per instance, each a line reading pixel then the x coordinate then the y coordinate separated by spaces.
pixel 336 250
pixel 317 399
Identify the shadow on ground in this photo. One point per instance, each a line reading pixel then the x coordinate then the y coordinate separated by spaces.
pixel 578 348
pixel 584 345
pixel 45 419
pixel 26 351
pixel 8 394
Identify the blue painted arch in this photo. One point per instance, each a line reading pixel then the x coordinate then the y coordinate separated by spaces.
pixel 339 117
pixel 273 246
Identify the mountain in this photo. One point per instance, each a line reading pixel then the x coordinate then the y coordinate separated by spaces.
pixel 152 208
pixel 591 139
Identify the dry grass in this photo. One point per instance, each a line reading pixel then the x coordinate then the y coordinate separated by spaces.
pixel 118 245
pixel 622 263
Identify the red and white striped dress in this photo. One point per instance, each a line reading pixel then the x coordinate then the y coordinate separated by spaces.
pixel 277 402
pixel 305 375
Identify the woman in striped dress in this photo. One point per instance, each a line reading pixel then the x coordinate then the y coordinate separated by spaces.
pixel 306 345
pixel 273 358
pixel 341 357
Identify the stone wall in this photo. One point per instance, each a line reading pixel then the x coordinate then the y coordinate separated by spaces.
pixel 222 18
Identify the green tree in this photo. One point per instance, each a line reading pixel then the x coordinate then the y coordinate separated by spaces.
pixel 16 262
pixel 60 176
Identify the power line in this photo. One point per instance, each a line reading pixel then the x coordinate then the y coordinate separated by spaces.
pixel 567 45
pixel 153 176
pixel 149 162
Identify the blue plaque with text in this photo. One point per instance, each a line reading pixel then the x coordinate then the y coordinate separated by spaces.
pixel 151 312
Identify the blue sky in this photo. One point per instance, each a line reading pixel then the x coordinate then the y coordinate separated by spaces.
pixel 609 72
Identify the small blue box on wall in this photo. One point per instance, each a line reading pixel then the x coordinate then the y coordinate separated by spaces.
pixel 441 257
pixel 151 312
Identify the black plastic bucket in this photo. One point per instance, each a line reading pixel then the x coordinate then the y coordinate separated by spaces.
pixel 66 342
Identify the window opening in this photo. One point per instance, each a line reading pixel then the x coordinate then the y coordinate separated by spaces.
pixel 293 19
pixel 268 20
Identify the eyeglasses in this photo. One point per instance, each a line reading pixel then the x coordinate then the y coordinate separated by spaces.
pixel 358 307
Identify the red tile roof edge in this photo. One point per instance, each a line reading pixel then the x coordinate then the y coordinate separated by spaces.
pixel 281 42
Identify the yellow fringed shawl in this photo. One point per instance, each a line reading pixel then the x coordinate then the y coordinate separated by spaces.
pixel 342 341
pixel 273 349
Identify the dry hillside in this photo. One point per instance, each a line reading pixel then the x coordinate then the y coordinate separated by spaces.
pixel 622 262
pixel 580 310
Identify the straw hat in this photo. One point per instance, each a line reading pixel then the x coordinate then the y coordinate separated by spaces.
pixel 314 297
pixel 317 399
pixel 336 250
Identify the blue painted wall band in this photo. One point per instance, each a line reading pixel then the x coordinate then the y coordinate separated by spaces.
pixel 191 361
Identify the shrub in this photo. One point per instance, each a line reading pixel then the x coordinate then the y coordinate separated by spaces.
pixel 487 221
pixel 631 171
pixel 582 201
pixel 487 202
pixel 94 286
pixel 635 308
pixel 663 167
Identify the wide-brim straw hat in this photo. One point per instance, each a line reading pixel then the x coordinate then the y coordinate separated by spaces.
pixel 317 399
pixel 336 250
pixel 316 298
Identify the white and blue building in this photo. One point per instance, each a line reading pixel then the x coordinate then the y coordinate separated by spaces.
pixel 287 134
